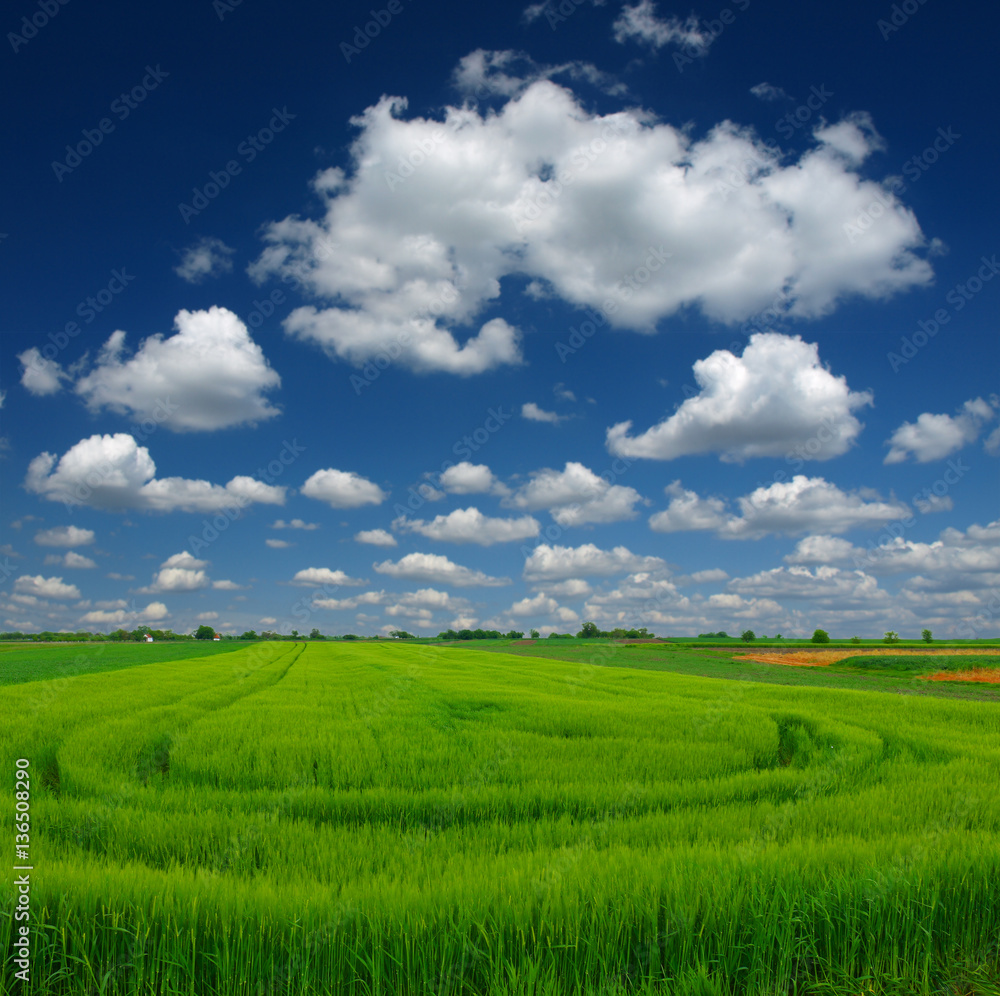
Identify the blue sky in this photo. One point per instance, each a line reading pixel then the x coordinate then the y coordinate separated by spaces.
pixel 410 316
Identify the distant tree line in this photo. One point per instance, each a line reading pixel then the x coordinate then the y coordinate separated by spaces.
pixel 590 632
pixel 479 634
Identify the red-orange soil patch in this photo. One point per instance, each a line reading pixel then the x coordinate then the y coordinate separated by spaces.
pixel 988 675
pixel 822 658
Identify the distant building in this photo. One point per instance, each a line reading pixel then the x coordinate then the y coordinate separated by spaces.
pixel 216 637
pixel 148 638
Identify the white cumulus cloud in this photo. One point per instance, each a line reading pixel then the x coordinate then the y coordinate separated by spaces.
pixel 467 478
pixel 934 437
pixel 436 569
pixel 803 504
pixel 343 489
pixel 41 376
pixel 315 576
pixel 533 413
pixel 419 231
pixel 774 400
pixel 41 587
pixel 576 496
pixel 210 375
pixel 64 536
pixel 469 525
pixel 114 472
pixel 559 563
pixel 376 537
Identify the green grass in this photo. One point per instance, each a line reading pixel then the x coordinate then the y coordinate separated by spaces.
pixel 33 662
pixel 392 819
pixel 921 663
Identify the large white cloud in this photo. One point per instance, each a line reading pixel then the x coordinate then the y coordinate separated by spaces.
pixel 41 587
pixel 469 525
pixel 934 437
pixel 64 536
pixel 343 489
pixel 419 232
pixel 775 400
pixel 210 375
pixel 558 563
pixel 437 569
pixel 803 504
pixel 575 495
pixel 115 472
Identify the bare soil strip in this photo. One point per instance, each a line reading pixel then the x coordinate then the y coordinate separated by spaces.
pixel 822 658
pixel 987 675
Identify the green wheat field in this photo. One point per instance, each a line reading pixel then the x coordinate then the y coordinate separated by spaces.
pixel 379 818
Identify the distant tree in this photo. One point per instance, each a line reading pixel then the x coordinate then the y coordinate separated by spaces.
pixel 315 634
pixel 777 636
pixel 448 634
pixel 514 635
pixel 820 636
pixel 748 636
pixel 927 635
pixel 119 636
pixel 891 636
pixel 855 639
pixel 535 634
pixel 350 636
pixel 250 634
pixel 401 634
pixel 589 631
pixel 295 634
pixel 204 633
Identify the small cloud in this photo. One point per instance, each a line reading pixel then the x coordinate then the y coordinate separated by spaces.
pixel 294 524
pixel 563 393
pixel 276 544
pixel 376 537
pixel 640 23
pixel 313 577
pixel 40 376
pixel 209 257
pixel 70 559
pixel 343 489
pixel 206 616
pixel 64 536
pixel 533 413
pixel 769 93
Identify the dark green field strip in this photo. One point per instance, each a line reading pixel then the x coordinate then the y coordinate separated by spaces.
pixel 20 663
pixel 722 663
